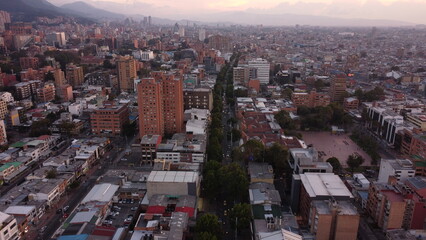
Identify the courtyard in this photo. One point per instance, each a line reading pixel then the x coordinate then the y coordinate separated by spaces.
pixel 335 145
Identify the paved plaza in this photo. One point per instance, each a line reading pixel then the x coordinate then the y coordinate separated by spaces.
pixel 331 145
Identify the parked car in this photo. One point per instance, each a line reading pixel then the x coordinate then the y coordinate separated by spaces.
pixel 66 208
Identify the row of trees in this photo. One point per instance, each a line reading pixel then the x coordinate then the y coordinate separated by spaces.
pixel 229 181
pixel 316 118
pixel 368 144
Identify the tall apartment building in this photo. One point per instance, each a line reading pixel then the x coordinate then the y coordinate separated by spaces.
pixel 338 88
pixel 74 75
pixel 29 62
pixel 3 109
pixel 386 206
pixel 59 76
pixel 65 93
pixel 201 34
pixel 311 99
pixel 400 205
pixel 46 93
pixel 160 102
pixel 7 97
pixel 201 98
pixel 173 103
pixel 109 119
pixel 263 68
pixel 324 204
pixel 56 39
pixel 3 134
pixel 241 75
pixel 220 43
pixel 127 73
pixel 150 107
pixel 26 89
pixel 4 18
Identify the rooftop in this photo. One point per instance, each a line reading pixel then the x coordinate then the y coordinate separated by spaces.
pixel 101 193
pixel 324 184
pixel 172 176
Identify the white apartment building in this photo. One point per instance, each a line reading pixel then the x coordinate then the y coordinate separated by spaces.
pixel 401 169
pixel 262 67
pixel 9 227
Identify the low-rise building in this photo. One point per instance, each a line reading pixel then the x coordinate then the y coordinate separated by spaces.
pixel 8 227
pixel 109 119
pixel 173 183
pixel 400 169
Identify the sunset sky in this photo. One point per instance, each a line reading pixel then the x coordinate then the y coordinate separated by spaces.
pixel 412 11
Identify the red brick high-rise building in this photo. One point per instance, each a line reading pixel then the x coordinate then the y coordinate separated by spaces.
pixel 338 88
pixel 29 62
pixel 150 106
pixel 160 102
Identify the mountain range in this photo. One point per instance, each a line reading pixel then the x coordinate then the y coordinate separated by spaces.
pixel 27 10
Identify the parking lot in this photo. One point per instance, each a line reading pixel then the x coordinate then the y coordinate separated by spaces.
pixel 120 213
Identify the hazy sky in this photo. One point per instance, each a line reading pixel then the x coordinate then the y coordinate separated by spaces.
pixel 413 11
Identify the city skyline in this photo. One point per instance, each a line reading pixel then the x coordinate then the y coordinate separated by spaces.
pixel 404 11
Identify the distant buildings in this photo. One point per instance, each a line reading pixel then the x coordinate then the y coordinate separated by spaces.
pixel 56 39
pixel 29 62
pixel 311 99
pixel 74 75
pixel 46 93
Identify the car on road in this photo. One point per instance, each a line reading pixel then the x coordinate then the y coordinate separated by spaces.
pixel 124 159
pixel 59 211
pixel 66 208
pixel 134 208
pixel 43 229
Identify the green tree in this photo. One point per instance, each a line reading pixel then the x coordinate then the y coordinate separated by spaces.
pixel 234 182
pixel 236 134
pixel 335 163
pixel 39 128
pixel 287 93
pixel 107 64
pixel 67 128
pixel 253 150
pixel 354 162
pixel 208 223
pixel 129 129
pixel 211 185
pixel 206 236
pixel 52 173
pixel 49 76
pixel 277 156
pixel 284 120
pixel 240 216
